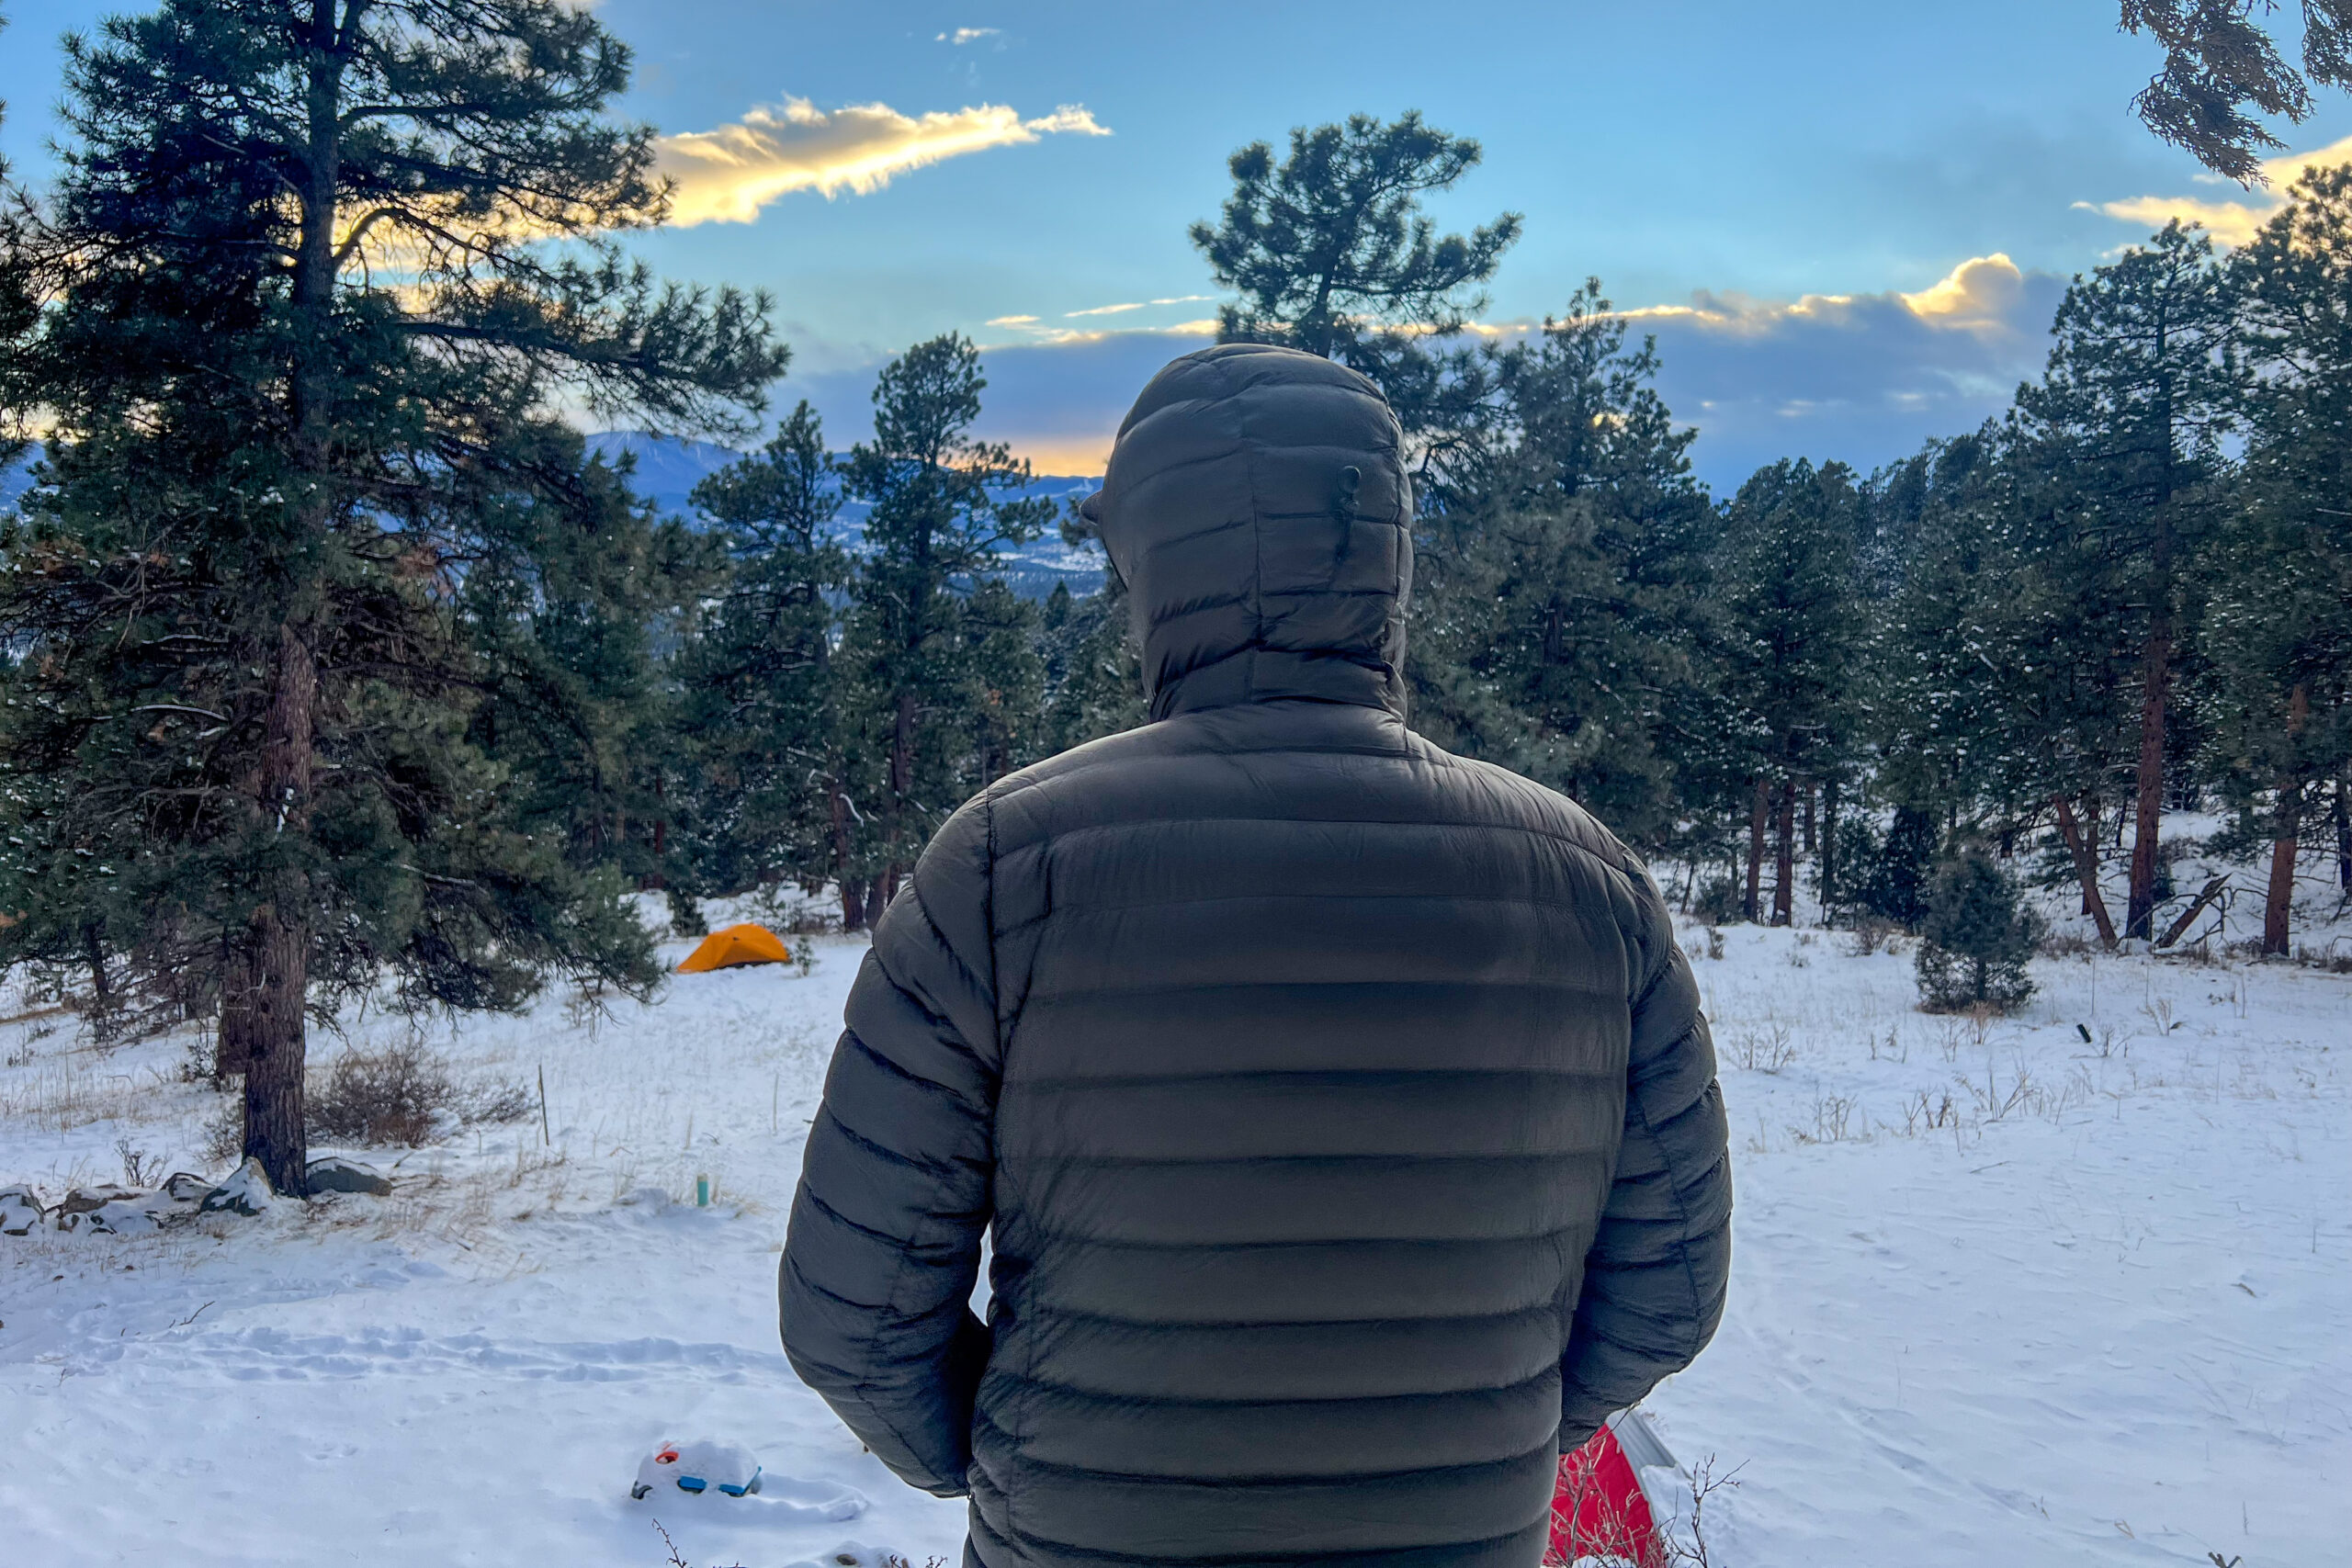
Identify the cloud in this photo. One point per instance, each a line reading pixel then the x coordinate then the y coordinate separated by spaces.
pixel 963 35
pixel 1133 305
pixel 1863 377
pixel 1979 295
pixel 2231 223
pixel 729 175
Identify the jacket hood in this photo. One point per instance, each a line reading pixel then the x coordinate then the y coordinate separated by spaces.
pixel 1257 507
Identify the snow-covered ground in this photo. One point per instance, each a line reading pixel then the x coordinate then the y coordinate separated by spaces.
pixel 2074 1287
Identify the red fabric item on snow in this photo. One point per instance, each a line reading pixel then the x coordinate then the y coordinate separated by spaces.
pixel 1600 1508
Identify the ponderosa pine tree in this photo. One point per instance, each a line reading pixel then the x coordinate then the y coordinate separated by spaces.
pixel 1329 248
pixel 1994 693
pixel 934 690
pixel 1792 634
pixel 562 615
pixel 757 691
pixel 1974 938
pixel 2280 624
pixel 321 272
pixel 1556 592
pixel 2127 424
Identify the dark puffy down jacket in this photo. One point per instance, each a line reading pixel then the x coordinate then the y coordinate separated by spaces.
pixel 1342 1108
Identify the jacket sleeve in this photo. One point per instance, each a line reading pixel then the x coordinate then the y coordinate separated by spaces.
pixel 884 1242
pixel 1655 1279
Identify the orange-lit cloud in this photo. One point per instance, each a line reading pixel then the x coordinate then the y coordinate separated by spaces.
pixel 2231 222
pixel 728 175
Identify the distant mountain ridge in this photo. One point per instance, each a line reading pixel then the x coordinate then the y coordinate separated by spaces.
pixel 668 469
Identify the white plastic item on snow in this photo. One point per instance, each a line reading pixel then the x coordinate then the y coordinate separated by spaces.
pixel 699 1467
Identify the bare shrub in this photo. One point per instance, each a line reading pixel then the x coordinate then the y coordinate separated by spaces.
pixel 1768 1051
pixel 399 1096
pixel 141 1171
pixel 1834 1121
pixel 1596 1521
pixel 497 1103
pixel 1871 933
pixel 2065 944
pixel 224 1131
pixel 1922 1114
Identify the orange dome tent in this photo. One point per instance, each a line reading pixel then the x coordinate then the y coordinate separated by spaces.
pixel 736 945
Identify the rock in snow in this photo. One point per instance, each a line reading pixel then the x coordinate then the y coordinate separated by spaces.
pixel 333 1173
pixel 20 1211
pixel 105 1210
pixel 247 1193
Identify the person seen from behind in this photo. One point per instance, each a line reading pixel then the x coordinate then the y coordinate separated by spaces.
pixel 1341 1110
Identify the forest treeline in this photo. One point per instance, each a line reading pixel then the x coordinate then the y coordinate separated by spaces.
pixel 337 666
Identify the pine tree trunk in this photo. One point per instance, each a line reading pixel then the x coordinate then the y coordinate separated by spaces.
pixel 1784 858
pixel 660 838
pixel 2279 903
pixel 233 1036
pixel 2090 836
pixel 1829 866
pixel 1812 845
pixel 2148 802
pixel 2343 813
pixel 94 951
pixel 278 936
pixel 852 905
pixel 274 1061
pixel 2085 857
pixel 279 933
pixel 1747 904
pixel 2281 897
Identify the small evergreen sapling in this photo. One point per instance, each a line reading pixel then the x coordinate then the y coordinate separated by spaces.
pixel 1975 938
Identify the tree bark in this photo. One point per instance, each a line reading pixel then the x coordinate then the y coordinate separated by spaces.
pixel 2279 905
pixel 93 953
pixel 2281 896
pixel 2148 800
pixel 2343 813
pixel 280 932
pixel 1784 858
pixel 1830 867
pixel 1747 904
pixel 1812 844
pixel 852 904
pixel 2081 847
pixel 274 1062
pixel 231 1035
pixel 2090 829
pixel 660 835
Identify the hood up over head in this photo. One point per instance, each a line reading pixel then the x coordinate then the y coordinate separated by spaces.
pixel 1258 509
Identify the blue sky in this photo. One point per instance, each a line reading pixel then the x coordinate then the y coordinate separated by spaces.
pixel 1848 224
